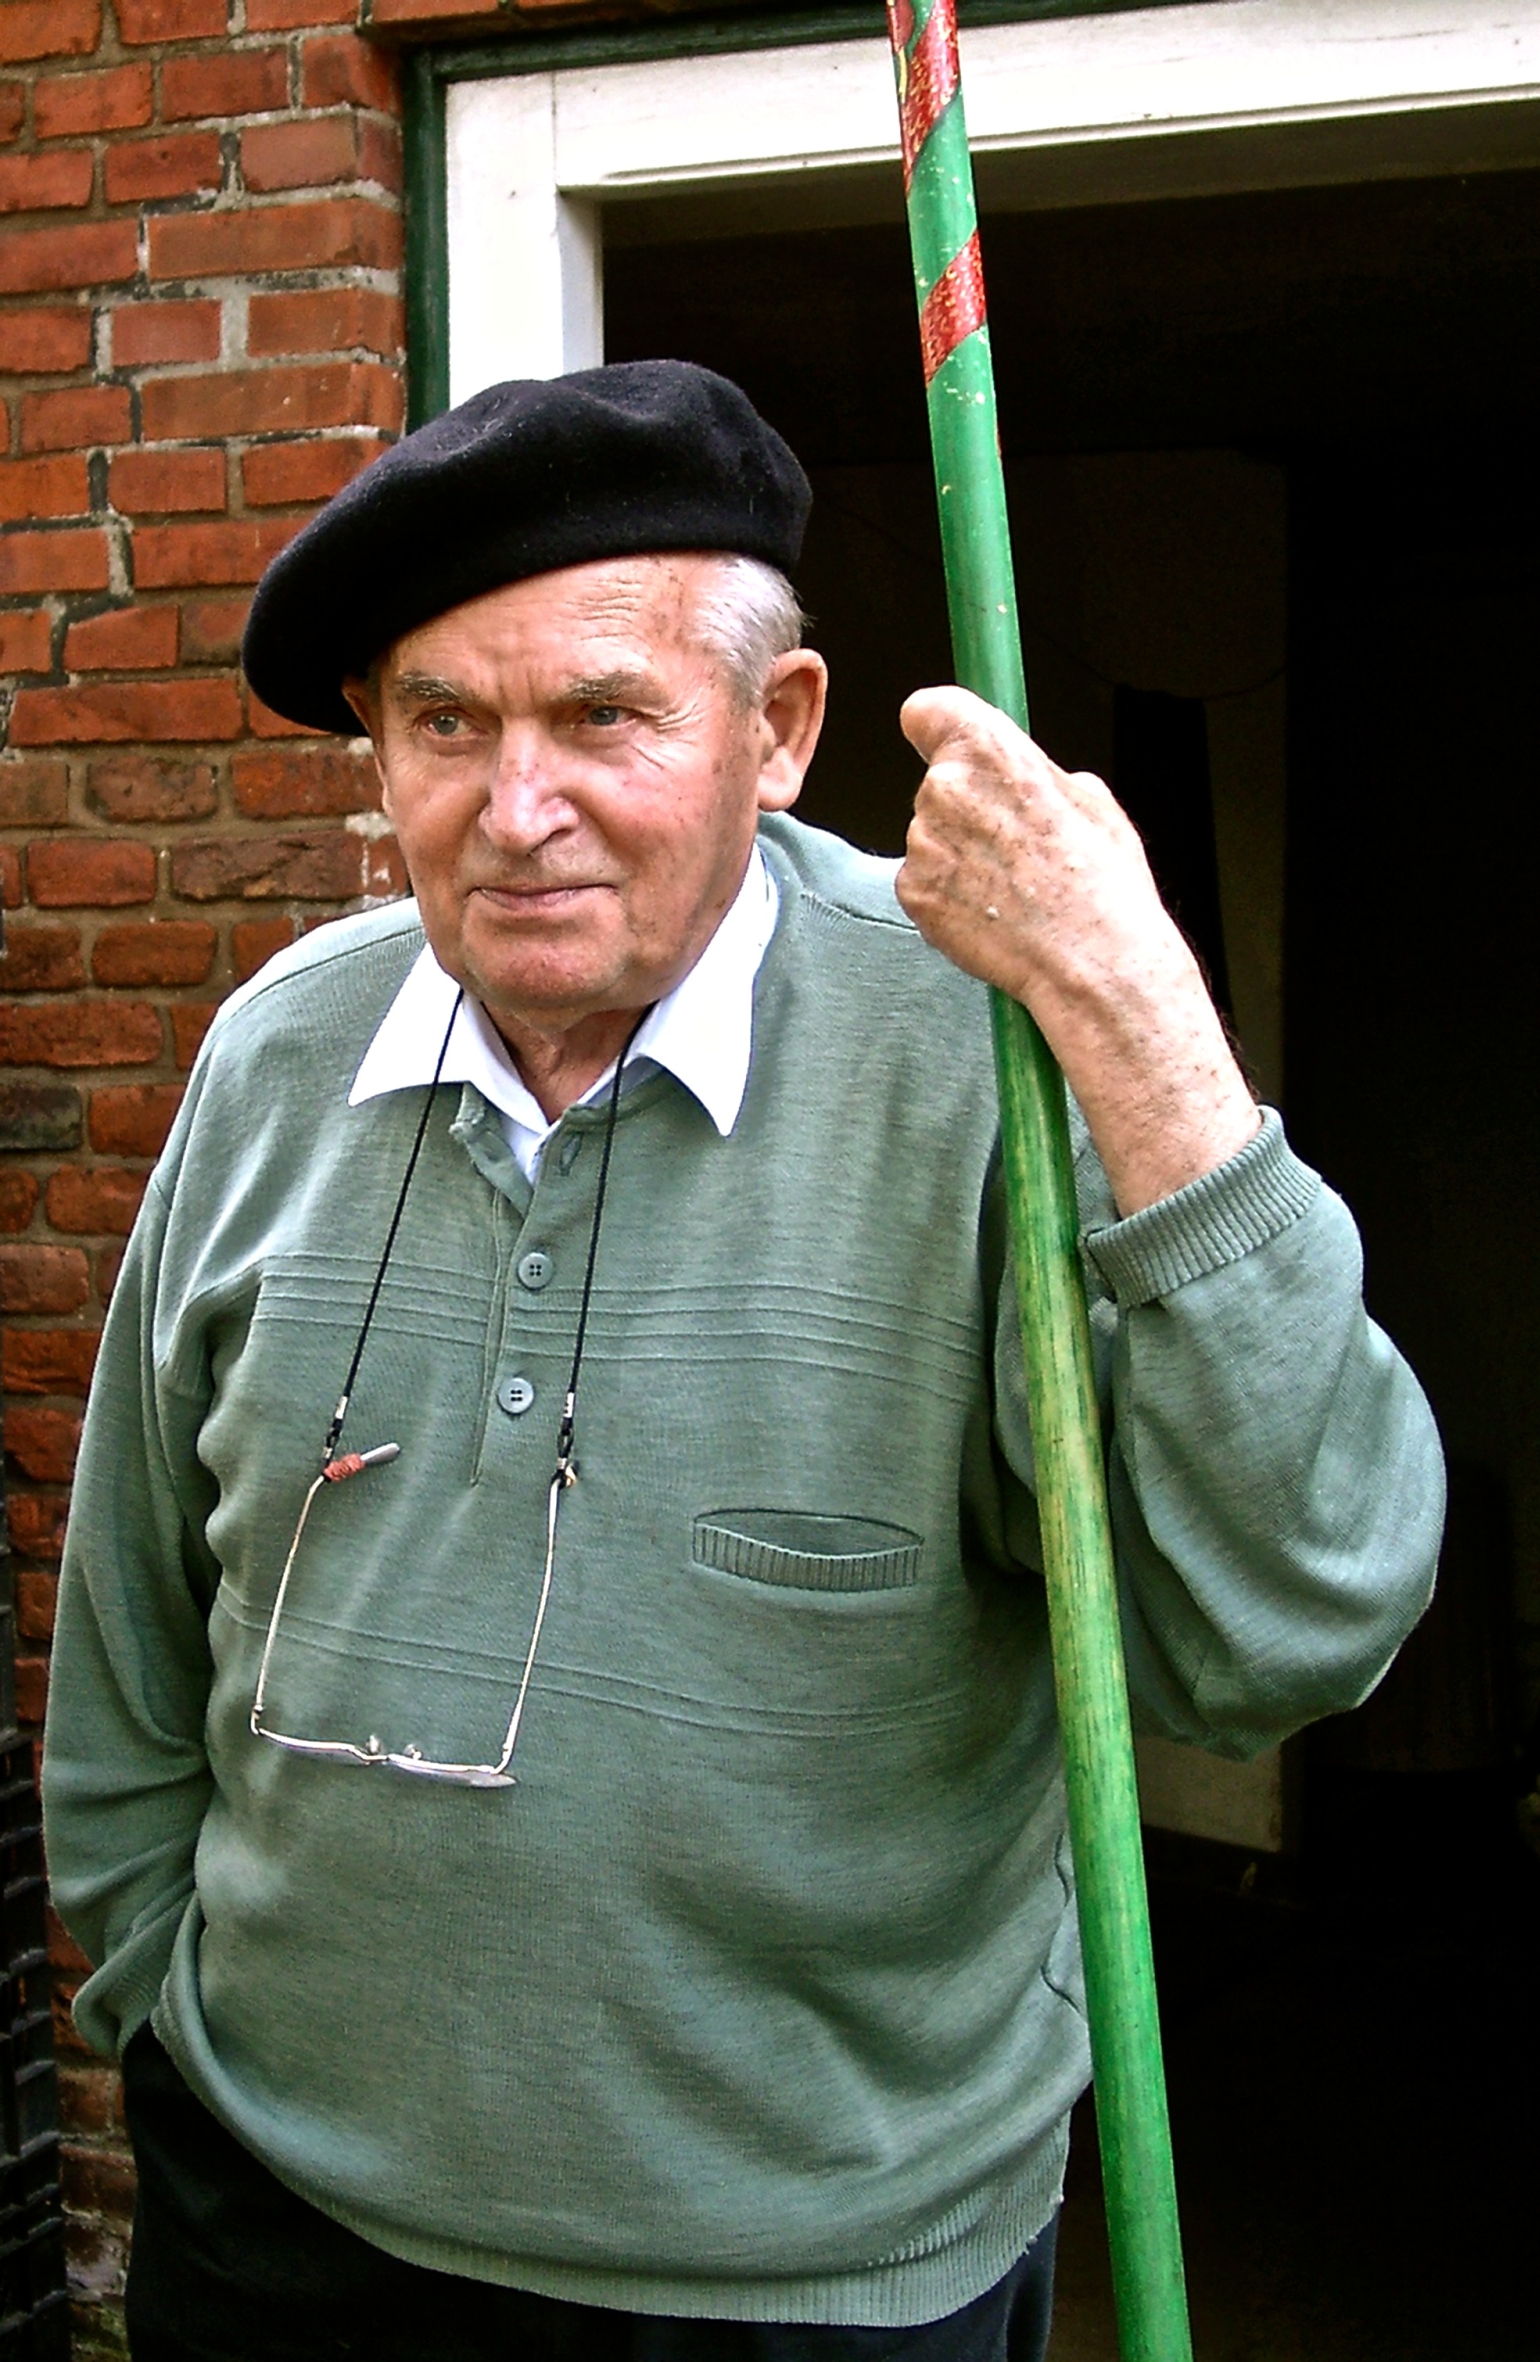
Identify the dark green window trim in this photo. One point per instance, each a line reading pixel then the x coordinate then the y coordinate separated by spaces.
pixel 426 201
pixel 430 70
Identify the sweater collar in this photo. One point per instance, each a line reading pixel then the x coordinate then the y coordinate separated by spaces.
pixel 701 1032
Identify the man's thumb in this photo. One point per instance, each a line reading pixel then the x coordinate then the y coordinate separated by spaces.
pixel 933 717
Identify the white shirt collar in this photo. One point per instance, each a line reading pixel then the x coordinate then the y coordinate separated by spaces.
pixel 702 1031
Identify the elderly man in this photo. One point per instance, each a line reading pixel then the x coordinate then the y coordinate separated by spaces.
pixel 553 1747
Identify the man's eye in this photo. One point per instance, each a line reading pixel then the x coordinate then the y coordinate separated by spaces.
pixel 442 725
pixel 603 717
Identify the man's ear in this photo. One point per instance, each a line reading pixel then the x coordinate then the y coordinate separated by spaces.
pixel 792 710
pixel 360 695
pixel 363 697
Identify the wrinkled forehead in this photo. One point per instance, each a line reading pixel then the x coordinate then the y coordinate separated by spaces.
pixel 609 616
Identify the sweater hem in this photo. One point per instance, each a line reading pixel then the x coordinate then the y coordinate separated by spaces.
pixel 897 2292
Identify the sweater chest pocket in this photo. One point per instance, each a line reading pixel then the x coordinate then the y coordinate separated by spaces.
pixel 807 1550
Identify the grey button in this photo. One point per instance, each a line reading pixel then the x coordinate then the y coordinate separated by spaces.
pixel 515 1396
pixel 534 1269
pixel 571 1150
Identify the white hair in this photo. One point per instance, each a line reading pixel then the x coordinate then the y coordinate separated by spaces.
pixel 746 616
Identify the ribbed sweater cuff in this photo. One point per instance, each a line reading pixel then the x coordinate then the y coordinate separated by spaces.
pixel 1215 1220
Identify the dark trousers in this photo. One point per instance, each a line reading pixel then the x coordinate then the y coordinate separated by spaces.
pixel 230 2266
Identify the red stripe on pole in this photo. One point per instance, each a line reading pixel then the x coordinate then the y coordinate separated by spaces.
pixel 954 307
pixel 929 78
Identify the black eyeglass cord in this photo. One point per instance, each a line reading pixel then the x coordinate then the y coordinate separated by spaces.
pixel 334 1432
pixel 566 1468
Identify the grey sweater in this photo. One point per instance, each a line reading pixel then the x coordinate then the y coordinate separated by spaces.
pixel 758 1996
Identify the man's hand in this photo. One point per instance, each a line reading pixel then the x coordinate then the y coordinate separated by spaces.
pixel 1032 879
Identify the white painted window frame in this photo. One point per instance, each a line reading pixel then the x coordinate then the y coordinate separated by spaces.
pixel 1200 99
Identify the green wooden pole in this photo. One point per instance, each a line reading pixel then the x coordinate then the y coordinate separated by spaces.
pixel 1131 2117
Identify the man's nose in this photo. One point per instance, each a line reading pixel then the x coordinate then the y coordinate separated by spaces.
pixel 527 797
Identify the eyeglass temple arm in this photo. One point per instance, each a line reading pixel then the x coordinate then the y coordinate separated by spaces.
pixel 334 1472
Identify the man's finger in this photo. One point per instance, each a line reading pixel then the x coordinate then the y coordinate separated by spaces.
pixel 936 720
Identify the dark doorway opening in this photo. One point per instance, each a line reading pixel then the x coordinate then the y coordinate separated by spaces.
pixel 1160 776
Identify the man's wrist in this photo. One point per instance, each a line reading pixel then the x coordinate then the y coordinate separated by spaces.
pixel 1153 1159
pixel 1149 1061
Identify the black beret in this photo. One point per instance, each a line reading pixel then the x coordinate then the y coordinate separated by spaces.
pixel 523 478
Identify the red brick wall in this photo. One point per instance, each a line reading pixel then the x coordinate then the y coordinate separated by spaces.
pixel 200 333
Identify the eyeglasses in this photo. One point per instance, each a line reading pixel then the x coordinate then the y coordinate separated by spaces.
pixel 340 1468
pixel 412 1758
